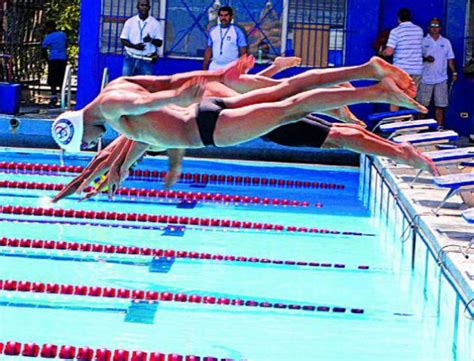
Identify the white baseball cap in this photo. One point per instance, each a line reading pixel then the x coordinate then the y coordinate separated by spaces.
pixel 68 129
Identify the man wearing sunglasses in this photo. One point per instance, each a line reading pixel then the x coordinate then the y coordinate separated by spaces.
pixel 437 57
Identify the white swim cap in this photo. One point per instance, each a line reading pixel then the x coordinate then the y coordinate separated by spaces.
pixel 67 130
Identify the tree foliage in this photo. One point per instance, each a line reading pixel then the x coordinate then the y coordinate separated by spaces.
pixel 66 16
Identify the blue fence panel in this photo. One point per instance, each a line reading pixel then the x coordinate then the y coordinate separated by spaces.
pixel 187 25
pixel 189 22
pixel 262 22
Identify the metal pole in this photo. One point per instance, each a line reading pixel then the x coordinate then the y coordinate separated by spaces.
pixel 284 26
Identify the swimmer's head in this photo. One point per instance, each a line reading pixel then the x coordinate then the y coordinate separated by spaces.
pixel 70 134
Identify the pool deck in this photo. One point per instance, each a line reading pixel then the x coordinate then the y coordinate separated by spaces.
pixel 447 231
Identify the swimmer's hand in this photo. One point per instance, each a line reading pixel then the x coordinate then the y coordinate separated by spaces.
pixel 154 58
pixel 95 169
pixel 172 177
pixel 109 184
pixel 139 46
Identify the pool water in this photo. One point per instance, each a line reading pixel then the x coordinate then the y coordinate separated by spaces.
pixel 323 279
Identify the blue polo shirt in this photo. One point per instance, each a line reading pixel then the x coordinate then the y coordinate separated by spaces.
pixel 56 42
pixel 442 51
pixel 225 43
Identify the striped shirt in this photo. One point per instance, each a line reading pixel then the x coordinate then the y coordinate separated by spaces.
pixel 406 41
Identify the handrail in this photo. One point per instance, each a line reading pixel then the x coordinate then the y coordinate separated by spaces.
pixel 105 78
pixel 104 82
pixel 66 88
pixel 9 66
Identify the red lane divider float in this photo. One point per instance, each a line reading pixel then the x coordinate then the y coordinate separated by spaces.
pixel 170 194
pixel 154 296
pixel 85 353
pixel 163 218
pixel 156 252
pixel 145 174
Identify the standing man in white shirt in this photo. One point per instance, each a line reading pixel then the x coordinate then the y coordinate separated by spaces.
pixel 404 44
pixel 226 42
pixel 141 36
pixel 437 56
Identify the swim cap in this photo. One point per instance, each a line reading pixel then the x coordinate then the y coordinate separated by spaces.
pixel 67 130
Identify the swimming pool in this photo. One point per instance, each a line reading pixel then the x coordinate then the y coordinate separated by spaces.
pixel 241 261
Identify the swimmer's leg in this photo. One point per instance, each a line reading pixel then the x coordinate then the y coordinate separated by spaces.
pixel 354 137
pixel 375 69
pixel 235 126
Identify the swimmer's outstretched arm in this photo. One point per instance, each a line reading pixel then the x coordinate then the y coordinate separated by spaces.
pixel 247 82
pixel 279 64
pixel 160 83
pixel 130 152
pixel 97 167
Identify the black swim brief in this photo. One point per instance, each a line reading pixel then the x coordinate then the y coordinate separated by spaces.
pixel 308 132
pixel 208 113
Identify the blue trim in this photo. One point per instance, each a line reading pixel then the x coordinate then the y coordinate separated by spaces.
pixel 68 308
pixel 76 258
pixel 89 72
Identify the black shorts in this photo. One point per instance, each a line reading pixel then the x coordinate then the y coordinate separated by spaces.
pixel 208 113
pixel 308 132
pixel 56 69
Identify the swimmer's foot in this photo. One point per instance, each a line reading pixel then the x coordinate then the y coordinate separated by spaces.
pixel 417 159
pixel 383 69
pixel 190 92
pixel 233 71
pixel 345 115
pixel 393 94
pixel 285 62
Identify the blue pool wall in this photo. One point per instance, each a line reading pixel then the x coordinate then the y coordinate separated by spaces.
pixel 365 19
pixel 36 133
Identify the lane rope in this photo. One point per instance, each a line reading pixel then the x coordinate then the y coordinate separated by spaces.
pixel 166 219
pixel 170 195
pixel 86 353
pixel 137 295
pixel 199 178
pixel 157 252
